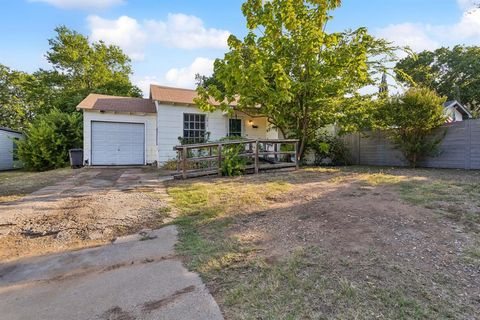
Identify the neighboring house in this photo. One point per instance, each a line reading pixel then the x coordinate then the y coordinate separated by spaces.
pixel 455 111
pixel 8 154
pixel 136 131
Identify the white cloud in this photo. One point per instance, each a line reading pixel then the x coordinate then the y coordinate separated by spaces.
pixel 144 83
pixel 408 34
pixel 420 36
pixel 469 25
pixel 81 4
pixel 185 77
pixel 124 32
pixel 187 32
pixel 178 31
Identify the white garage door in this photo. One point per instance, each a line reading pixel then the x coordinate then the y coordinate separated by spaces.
pixel 117 143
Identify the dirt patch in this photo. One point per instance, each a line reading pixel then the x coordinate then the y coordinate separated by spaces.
pixel 366 250
pixel 88 209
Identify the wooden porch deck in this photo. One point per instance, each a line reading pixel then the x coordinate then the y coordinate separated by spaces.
pixel 196 160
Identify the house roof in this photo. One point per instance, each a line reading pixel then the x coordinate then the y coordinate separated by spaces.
pixel 9 130
pixel 170 95
pixel 116 103
pixel 459 107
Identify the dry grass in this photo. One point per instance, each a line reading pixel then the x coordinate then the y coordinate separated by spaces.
pixel 18 183
pixel 233 233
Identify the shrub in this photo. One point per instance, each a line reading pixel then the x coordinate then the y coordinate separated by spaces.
pixel 329 150
pixel 233 164
pixel 48 139
pixel 410 119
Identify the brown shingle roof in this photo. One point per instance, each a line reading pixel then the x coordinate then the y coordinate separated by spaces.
pixel 171 95
pixel 115 103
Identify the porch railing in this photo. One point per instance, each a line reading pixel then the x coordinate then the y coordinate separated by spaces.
pixel 195 160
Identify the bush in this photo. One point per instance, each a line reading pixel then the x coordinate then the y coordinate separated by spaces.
pixel 329 150
pixel 410 120
pixel 48 139
pixel 233 164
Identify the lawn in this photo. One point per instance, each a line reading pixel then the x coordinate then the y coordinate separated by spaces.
pixel 346 243
pixel 18 183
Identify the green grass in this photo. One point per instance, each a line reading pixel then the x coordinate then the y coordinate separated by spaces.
pixel 459 201
pixel 309 285
pixel 15 184
pixel 207 209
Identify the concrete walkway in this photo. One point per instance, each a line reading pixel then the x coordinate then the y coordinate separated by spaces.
pixel 136 277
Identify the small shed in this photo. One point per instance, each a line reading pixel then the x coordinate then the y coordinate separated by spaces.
pixel 8 154
pixel 456 112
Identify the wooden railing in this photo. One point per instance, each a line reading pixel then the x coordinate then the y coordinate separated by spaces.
pixel 195 160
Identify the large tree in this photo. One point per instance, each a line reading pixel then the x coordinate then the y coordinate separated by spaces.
pixel 80 67
pixel 451 72
pixel 290 69
pixel 18 105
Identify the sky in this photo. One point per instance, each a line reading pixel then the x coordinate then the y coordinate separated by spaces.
pixel 170 41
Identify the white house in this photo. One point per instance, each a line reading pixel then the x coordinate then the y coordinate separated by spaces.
pixel 455 111
pixel 8 158
pixel 136 131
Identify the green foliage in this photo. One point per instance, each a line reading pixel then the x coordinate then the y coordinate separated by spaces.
pixel 183 140
pixel 206 81
pixel 81 67
pixel 291 70
pixel 48 139
pixel 17 101
pixel 454 73
pixel 410 120
pixel 329 150
pixel 78 68
pixel 233 164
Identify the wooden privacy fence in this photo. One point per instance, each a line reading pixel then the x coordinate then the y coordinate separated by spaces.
pixel 195 160
pixel 460 148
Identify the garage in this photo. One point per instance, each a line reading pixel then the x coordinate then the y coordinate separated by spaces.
pixel 117 143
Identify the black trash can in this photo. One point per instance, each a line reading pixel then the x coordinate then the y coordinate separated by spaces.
pixel 76 158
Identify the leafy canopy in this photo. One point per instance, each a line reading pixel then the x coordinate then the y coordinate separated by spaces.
pixel 291 70
pixel 78 68
pixel 454 73
pixel 14 104
pixel 410 120
pixel 81 67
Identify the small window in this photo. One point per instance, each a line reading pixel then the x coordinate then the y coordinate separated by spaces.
pixel 194 128
pixel 235 128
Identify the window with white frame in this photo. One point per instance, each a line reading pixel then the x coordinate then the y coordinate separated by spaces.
pixel 194 127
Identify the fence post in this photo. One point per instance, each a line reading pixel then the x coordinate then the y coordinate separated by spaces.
pixel 275 149
pixel 184 162
pixel 296 156
pixel 219 159
pixel 468 144
pixel 256 156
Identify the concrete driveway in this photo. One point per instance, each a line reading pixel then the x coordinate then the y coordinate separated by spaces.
pixel 136 277
pixel 131 277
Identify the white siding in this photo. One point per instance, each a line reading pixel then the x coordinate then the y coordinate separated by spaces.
pixel 149 120
pixel 6 149
pixel 454 114
pixel 170 127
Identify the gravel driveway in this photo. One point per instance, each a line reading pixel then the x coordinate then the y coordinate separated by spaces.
pixel 90 208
